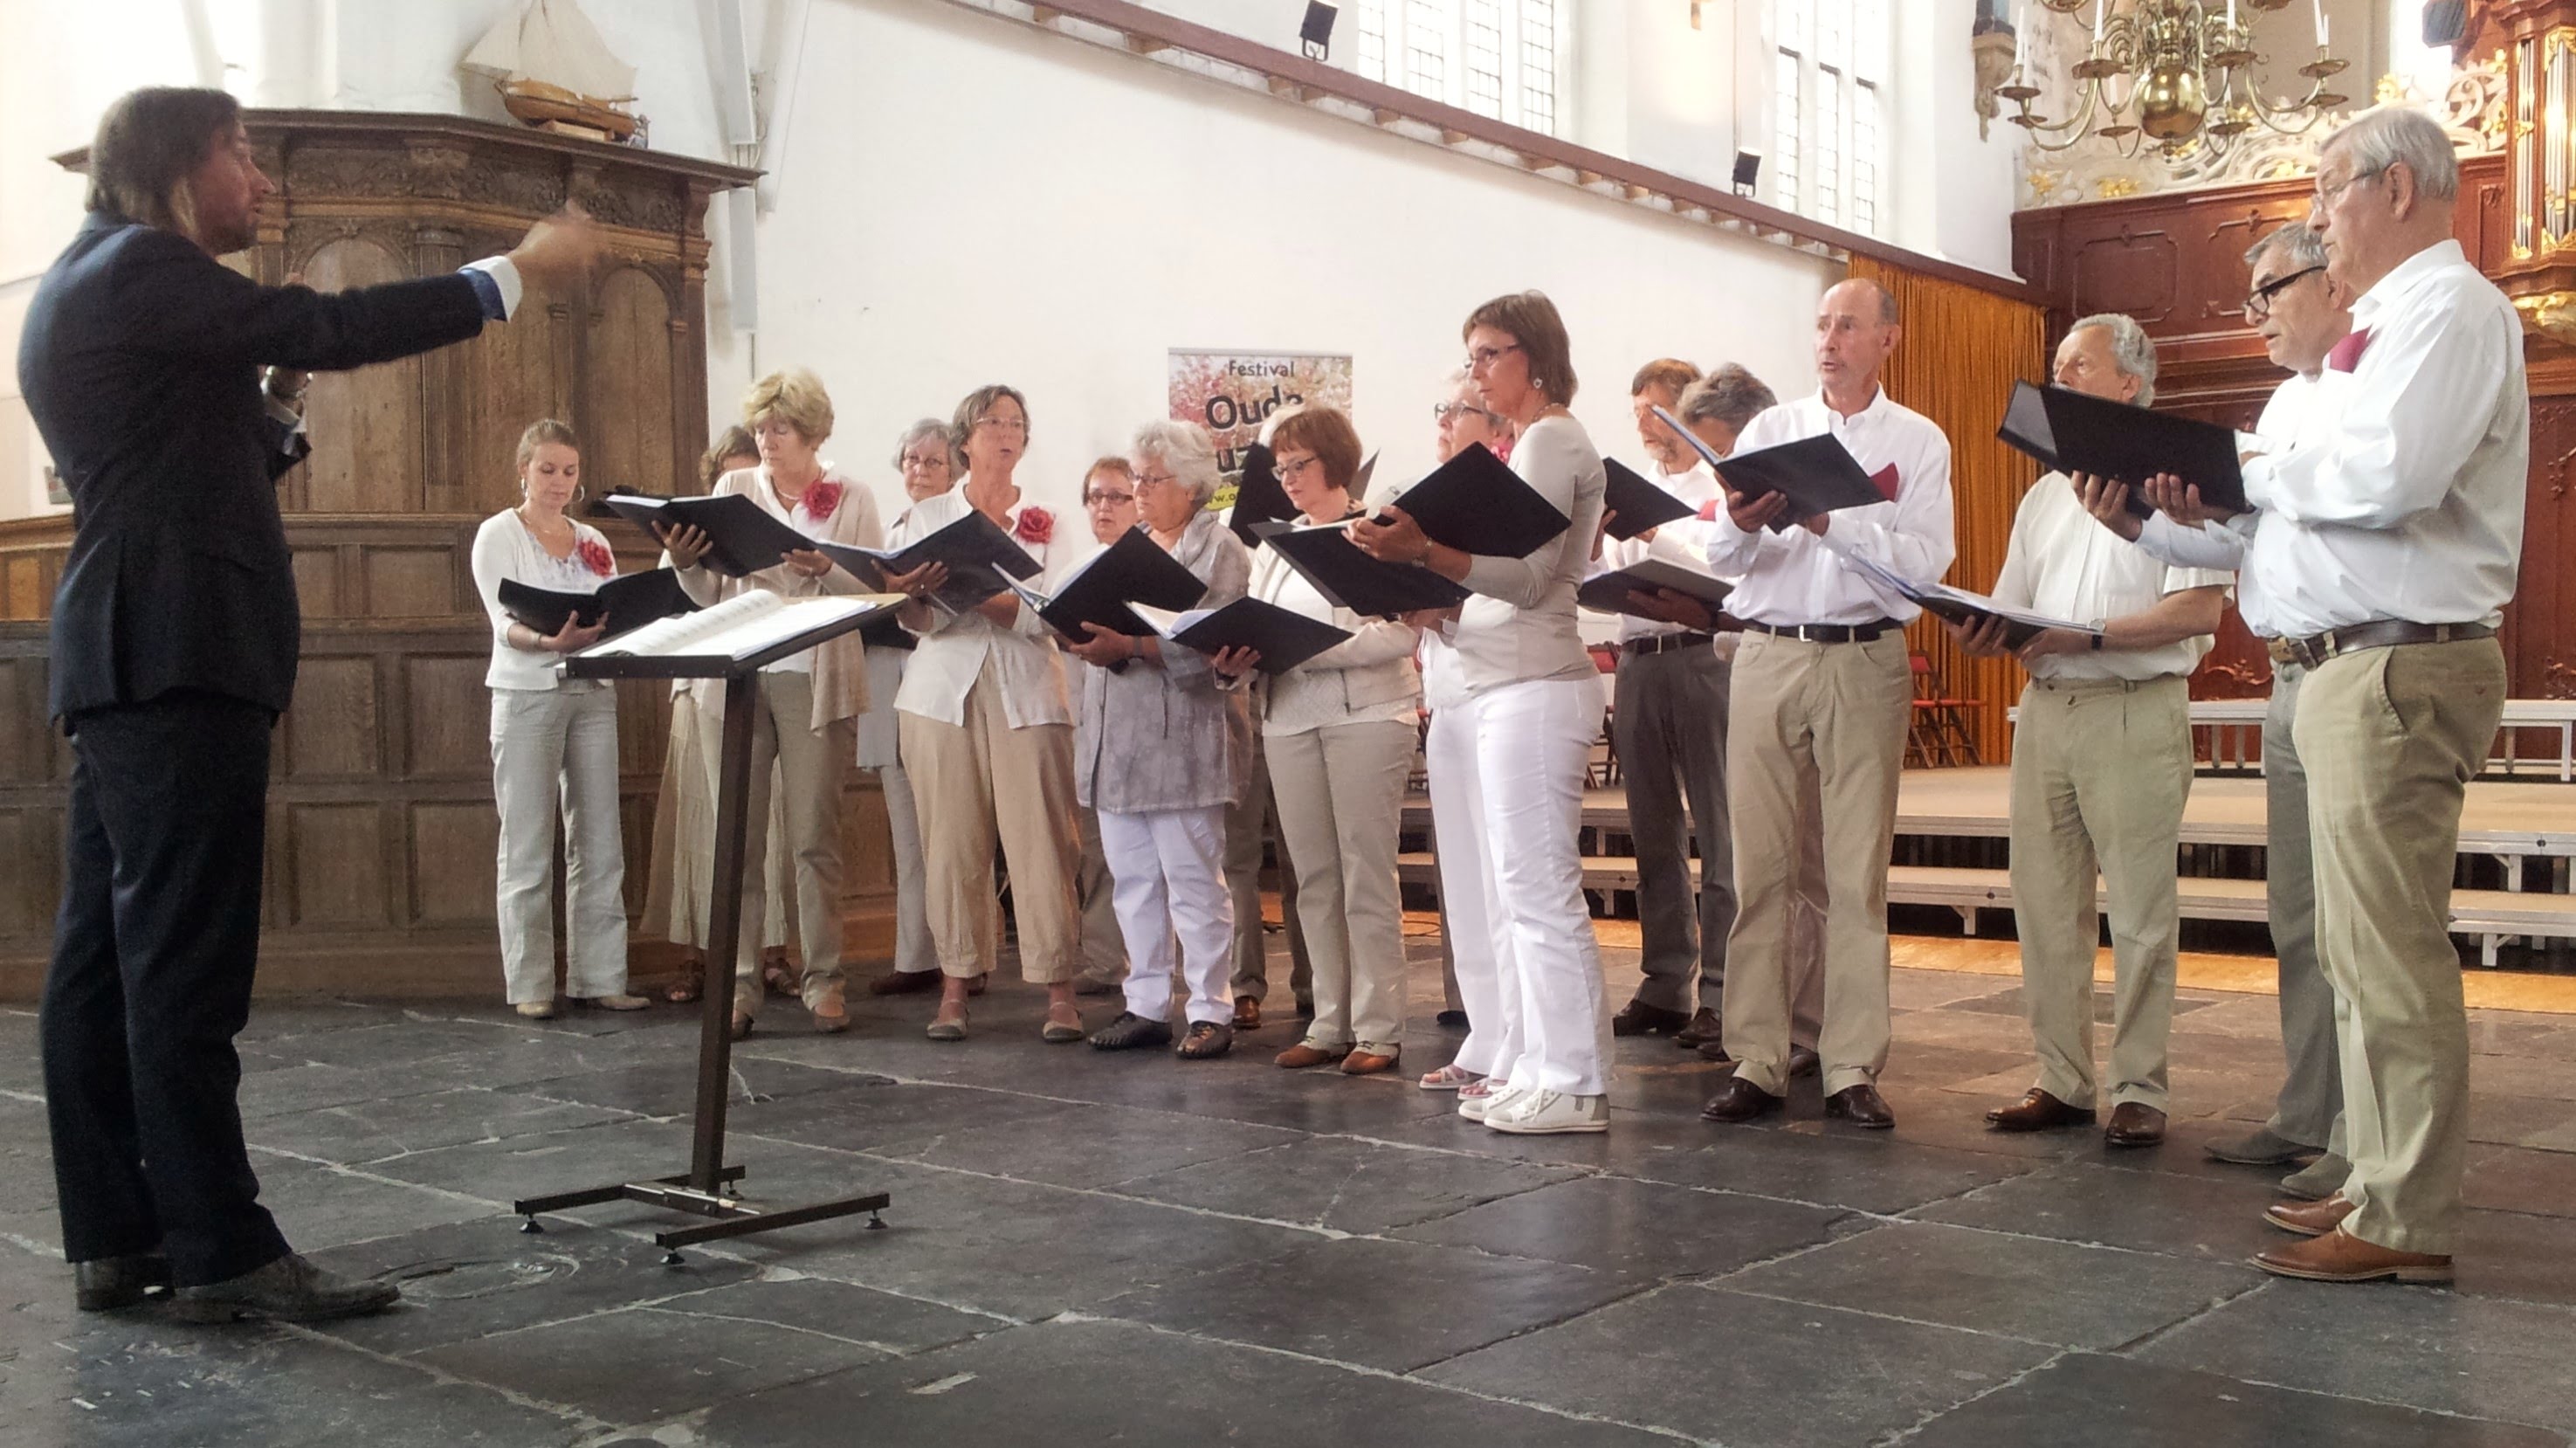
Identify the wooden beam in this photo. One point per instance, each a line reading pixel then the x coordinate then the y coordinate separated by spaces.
pixel 1147 45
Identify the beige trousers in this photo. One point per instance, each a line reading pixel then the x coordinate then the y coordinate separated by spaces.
pixel 1341 794
pixel 972 782
pixel 2391 738
pixel 2100 771
pixel 807 764
pixel 1831 718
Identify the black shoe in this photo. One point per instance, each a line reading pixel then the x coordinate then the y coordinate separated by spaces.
pixel 1131 1032
pixel 1714 1049
pixel 1305 1008
pixel 1803 1061
pixel 1451 1020
pixel 1704 1028
pixel 1084 985
pixel 104 1284
pixel 1862 1106
pixel 289 1289
pixel 1739 1100
pixel 1637 1018
pixel 1206 1041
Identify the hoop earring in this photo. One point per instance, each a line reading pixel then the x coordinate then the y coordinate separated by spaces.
pixel 581 492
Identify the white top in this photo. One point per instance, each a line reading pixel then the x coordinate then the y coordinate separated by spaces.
pixel 2301 408
pixel 504 548
pixel 1519 624
pixel 1444 678
pixel 955 647
pixel 1683 541
pixel 1793 577
pixel 2063 563
pixel 2411 506
pixel 1365 679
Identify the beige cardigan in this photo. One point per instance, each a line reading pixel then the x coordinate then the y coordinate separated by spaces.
pixel 840 666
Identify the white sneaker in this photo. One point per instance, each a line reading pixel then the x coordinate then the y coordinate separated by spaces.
pixel 1549 1113
pixel 1479 1102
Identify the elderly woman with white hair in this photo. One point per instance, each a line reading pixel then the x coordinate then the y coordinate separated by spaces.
pixel 1162 747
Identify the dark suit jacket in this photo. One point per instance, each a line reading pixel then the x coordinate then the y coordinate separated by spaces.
pixel 139 361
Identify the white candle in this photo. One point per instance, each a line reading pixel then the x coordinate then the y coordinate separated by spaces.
pixel 2101 16
pixel 2021 34
pixel 2231 14
pixel 2321 24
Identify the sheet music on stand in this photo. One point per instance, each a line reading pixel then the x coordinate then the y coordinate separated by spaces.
pixel 717 641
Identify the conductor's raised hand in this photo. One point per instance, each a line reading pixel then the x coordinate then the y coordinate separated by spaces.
pixel 1104 646
pixel 1755 514
pixel 557 253
pixel 687 543
pixel 572 637
pixel 2107 499
pixel 1391 537
pixel 1983 638
pixel 921 582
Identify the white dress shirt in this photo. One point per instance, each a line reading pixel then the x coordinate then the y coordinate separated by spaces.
pixel 954 647
pixel 2411 506
pixel 2063 563
pixel 1682 541
pixel 1794 577
pixel 2301 408
pixel 1518 623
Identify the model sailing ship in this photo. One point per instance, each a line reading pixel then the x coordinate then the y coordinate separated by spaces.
pixel 555 73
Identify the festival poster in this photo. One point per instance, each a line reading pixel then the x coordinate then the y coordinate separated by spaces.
pixel 1234 393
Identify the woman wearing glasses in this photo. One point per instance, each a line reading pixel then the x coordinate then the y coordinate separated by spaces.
pixel 1537 708
pixel 987 738
pixel 1338 731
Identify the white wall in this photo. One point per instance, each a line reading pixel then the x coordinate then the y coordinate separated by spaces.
pixel 1952 193
pixel 968 200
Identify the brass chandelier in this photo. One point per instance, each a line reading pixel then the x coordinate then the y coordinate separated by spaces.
pixel 2188 68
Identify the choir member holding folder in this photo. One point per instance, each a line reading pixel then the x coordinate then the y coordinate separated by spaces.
pixel 2101 768
pixel 553 738
pixel 1338 731
pixel 1537 708
pixel 1161 750
pixel 807 701
pixel 1821 693
pixel 987 737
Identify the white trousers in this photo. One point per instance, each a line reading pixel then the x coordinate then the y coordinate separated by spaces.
pixel 1533 741
pixel 1169 869
pixel 914 953
pixel 550 746
pixel 1458 847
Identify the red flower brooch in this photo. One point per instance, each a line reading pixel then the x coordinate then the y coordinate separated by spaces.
pixel 822 500
pixel 1036 525
pixel 596 557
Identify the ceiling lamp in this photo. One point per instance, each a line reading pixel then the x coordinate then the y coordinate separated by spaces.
pixel 2173 74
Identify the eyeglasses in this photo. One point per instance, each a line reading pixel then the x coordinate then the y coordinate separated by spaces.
pixel 2258 304
pixel 2326 194
pixel 923 464
pixel 1447 411
pixel 1483 357
pixel 1004 424
pixel 1155 480
pixel 1288 470
pixel 1107 500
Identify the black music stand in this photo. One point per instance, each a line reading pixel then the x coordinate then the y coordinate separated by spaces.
pixel 701 1192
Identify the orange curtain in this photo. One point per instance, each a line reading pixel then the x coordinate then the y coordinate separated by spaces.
pixel 1962 351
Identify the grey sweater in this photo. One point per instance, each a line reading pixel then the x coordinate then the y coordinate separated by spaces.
pixel 1165 736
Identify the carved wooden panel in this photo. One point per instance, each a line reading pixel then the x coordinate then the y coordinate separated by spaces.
pixel 454 863
pixel 369 458
pixel 448 717
pixel 624 442
pixel 337 871
pixel 2540 632
pixel 516 375
pixel 414 583
pixel 2140 274
pixel 332 733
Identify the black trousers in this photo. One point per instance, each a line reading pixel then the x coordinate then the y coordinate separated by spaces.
pixel 153 957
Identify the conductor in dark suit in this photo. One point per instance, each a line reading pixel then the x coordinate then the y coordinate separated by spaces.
pixel 167 388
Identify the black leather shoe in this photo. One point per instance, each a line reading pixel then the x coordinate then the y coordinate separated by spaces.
pixel 289 1289
pixel 1704 1027
pixel 1450 1020
pixel 1803 1061
pixel 1131 1032
pixel 2037 1111
pixel 1206 1041
pixel 1637 1018
pixel 1739 1100
pixel 1862 1106
pixel 104 1284
pixel 2134 1123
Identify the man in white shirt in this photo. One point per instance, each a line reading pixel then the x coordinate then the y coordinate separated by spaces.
pixel 1822 691
pixel 2302 313
pixel 2400 544
pixel 2101 767
pixel 1668 723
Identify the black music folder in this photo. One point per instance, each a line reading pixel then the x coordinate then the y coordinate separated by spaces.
pixel 981 559
pixel 630 601
pixel 1476 504
pixel 1258 497
pixel 742 536
pixel 1608 592
pixel 1134 569
pixel 1283 638
pixel 2073 433
pixel 1639 503
pixel 1959 606
pixel 1326 557
pixel 1817 474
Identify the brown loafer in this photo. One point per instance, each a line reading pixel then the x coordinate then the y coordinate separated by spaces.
pixel 1302 1055
pixel 1704 1028
pixel 1739 1100
pixel 1862 1106
pixel 2134 1123
pixel 904 982
pixel 1247 1013
pixel 2309 1219
pixel 2339 1256
pixel 2038 1111
pixel 1367 1063
pixel 1637 1018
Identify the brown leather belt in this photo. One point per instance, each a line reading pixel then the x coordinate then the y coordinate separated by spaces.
pixel 1665 643
pixel 1827 633
pixel 2385 633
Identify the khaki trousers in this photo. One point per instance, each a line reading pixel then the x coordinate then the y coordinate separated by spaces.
pixel 2100 771
pixel 1247 830
pixel 2391 738
pixel 1827 717
pixel 806 763
pixel 972 782
pixel 1341 793
pixel 2309 1109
